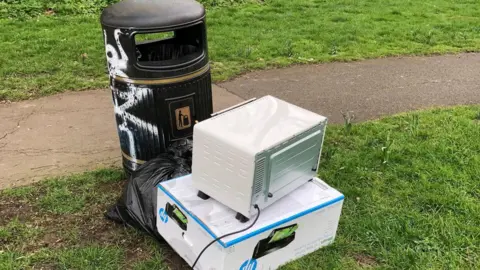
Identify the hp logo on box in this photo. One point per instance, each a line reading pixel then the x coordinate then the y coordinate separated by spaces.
pixel 163 215
pixel 249 265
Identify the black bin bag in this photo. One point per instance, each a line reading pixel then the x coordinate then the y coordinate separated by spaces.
pixel 137 205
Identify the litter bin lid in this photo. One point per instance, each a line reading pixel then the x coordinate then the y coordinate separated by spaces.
pixel 152 14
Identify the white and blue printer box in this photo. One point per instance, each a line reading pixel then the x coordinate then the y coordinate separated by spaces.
pixel 296 225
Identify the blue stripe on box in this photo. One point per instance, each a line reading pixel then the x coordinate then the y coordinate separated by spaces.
pixel 190 214
pixel 283 221
pixel 251 234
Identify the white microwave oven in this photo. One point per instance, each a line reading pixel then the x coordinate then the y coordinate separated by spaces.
pixel 256 153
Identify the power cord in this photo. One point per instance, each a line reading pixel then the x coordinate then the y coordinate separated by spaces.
pixel 229 234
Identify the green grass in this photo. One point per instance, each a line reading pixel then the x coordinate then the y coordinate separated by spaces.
pixel 23 9
pixel 417 209
pixel 91 258
pixel 43 55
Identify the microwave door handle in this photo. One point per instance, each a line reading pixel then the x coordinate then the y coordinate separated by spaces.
pixel 267 184
pixel 233 107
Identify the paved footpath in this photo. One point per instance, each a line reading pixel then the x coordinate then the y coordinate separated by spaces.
pixel 66 133
pixel 74 132
pixel 372 88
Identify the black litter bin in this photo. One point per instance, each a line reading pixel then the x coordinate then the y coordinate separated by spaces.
pixel 160 87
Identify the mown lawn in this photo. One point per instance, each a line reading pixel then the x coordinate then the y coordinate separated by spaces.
pixel 411 182
pixel 49 52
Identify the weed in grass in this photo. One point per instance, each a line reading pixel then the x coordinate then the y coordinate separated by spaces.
pixel 84 57
pixel 348 118
pixel 413 125
pixel 245 52
pixel 430 38
pixel 425 36
pixel 288 49
pixel 386 149
pixel 477 116
pixel 333 50
pixel 248 52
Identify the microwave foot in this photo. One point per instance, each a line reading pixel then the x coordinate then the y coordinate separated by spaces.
pixel 241 218
pixel 202 195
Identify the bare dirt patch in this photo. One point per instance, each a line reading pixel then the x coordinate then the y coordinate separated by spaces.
pixel 39 229
pixel 365 260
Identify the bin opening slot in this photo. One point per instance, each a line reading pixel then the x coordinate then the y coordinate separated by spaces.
pixel 149 37
pixel 169 48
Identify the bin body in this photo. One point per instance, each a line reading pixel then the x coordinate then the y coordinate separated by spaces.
pixel 160 87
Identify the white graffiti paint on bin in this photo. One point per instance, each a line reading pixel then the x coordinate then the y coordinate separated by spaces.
pixel 116 64
pixel 131 97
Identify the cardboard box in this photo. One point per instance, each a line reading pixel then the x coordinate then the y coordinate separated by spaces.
pixel 296 225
